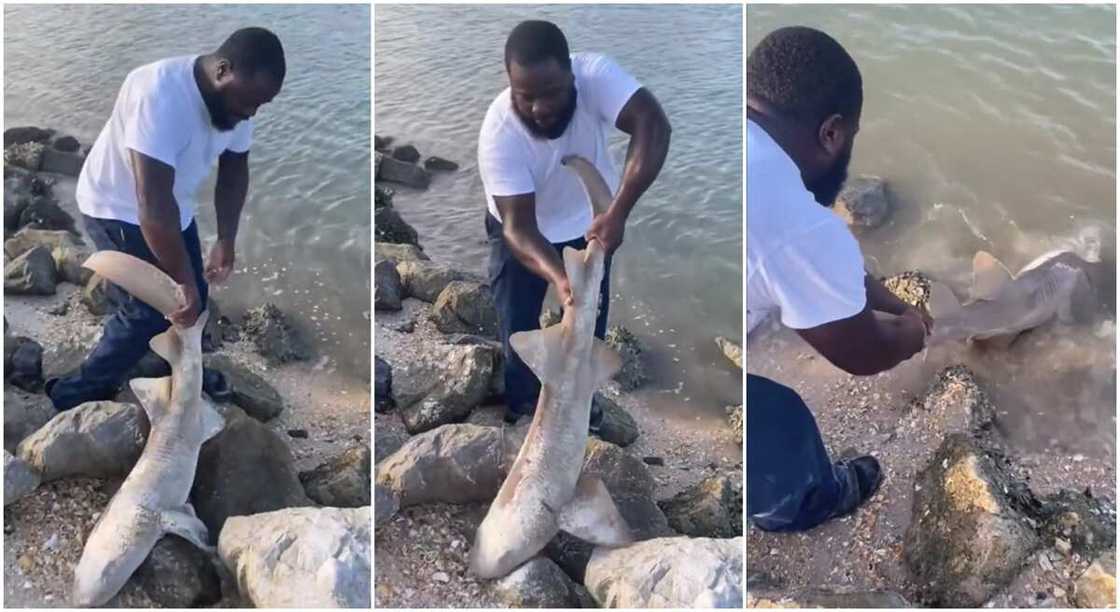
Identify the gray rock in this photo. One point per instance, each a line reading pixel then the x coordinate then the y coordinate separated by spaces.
pixel 26 134
pixel 1096 587
pixel 955 396
pixel 1085 522
pixel 711 508
pixel 250 392
pixel 177 574
pixel 440 164
pixel 95 440
pixel 28 238
pixel 19 478
pixel 675 572
pixel 386 503
pixel 23 363
pixel 213 333
pixel 95 296
pixel 425 280
pixel 540 583
pixel 24 414
pixel 390 227
pixel 382 143
pixel 245 469
pixel 273 336
pixel 32 273
pixel 731 350
pixel 68 262
pixel 406 153
pixel 863 202
pixel 28 155
pixel 386 442
pixel 66 144
pixel 398 253
pixel 397 171
pixel 62 162
pixel 341 482
pixel 617 426
pixel 465 307
pixel 454 394
pixel 301 557
pixel 43 212
pixel 735 419
pixel 387 290
pixel 383 385
pixel 633 373
pixel 969 537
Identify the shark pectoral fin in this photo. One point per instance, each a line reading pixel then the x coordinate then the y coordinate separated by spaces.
pixel 942 302
pixel 592 515
pixel 168 345
pixel 154 395
pixel 186 525
pixel 597 189
pixel 212 421
pixel 606 362
pixel 989 276
pixel 536 347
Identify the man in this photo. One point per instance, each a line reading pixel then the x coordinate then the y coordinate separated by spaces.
pixel 804 97
pixel 557 104
pixel 172 121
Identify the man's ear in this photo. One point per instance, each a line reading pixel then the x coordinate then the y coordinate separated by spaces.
pixel 832 134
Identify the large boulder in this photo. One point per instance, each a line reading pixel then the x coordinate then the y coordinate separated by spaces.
pixel 28 238
pixel 440 164
pixel 43 212
pixel 387 290
pixel 540 583
pixel 383 385
pixel 250 392
pixel 300 557
pixel 32 273
pixel 406 153
pixel 95 440
pixel 344 481
pixel 711 508
pixel 386 441
pixel 96 296
pixel 386 503
pixel 62 162
pixel 447 395
pixel 388 226
pixel 23 363
pixel 425 280
pixel 176 574
pixel 633 373
pixel 405 173
pixel 19 478
pixel 969 536
pixel 398 253
pixel 24 414
pixel 66 144
pixel 1096 587
pixel 273 335
pixel 677 572
pixel 25 134
pixel 245 469
pixel 617 426
pixel 465 307
pixel 28 155
pixel 1081 520
pixel 863 202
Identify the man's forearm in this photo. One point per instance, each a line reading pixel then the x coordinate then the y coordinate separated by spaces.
pixel 159 224
pixel 229 195
pixel 645 155
pixel 881 299
pixel 534 252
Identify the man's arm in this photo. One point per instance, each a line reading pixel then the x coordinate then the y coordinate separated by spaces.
pixel 881 299
pixel 869 342
pixel 229 199
pixel 644 120
pixel 529 246
pixel 159 223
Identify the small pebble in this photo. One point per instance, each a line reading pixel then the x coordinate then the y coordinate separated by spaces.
pixel 297 433
pixel 441 577
pixel 653 460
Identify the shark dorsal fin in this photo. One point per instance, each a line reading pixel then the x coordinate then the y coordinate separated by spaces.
pixel 942 302
pixel 989 276
pixel 154 395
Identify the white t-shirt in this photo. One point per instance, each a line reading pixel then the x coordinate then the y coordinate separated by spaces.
pixel 512 161
pixel 159 112
pixel 802 260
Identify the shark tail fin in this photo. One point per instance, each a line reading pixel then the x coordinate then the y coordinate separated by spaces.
pixel 597 189
pixel 139 278
pixel 592 515
pixel 942 302
pixel 154 395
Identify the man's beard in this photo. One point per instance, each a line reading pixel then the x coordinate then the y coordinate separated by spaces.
pixel 558 128
pixel 220 118
pixel 826 188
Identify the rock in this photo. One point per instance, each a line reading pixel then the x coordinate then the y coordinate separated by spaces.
pixel 26 134
pixel 617 426
pixel 341 482
pixel 32 273
pixel 550 317
pixel 390 227
pixel 250 392
pixel 24 414
pixel 969 537
pixel 383 385
pixel 440 164
pixel 382 195
pixel 863 202
pixel 301 557
pixel 387 291
pixel 397 171
pixel 68 262
pixel 540 583
pixel 95 440
pixel 95 296
pixel 177 574
pixel 398 253
pixel 298 433
pixel 711 508
pixel 28 238
pixel 1096 587
pixel 731 350
pixel 43 212
pixel 456 464
pixel 245 469
pixel 911 287
pixel 454 394
pixel 66 144
pixel 213 333
pixel 633 373
pixel 386 503
pixel 28 155
pixel 274 337
pixel 62 162
pixel 406 153
pixel 826 597
pixel 465 307
pixel 19 478
pixel 735 418
pixel 955 394
pixel 1084 523
pixel 23 363
pixel 386 442
pixel 382 143
pixel 669 573
pixel 425 280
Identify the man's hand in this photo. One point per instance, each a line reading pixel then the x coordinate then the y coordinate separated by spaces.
pixel 563 290
pixel 913 332
pixel 191 306
pixel 608 229
pixel 927 320
pixel 219 264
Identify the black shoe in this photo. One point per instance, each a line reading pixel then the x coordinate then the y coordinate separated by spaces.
pixel 596 416
pixel 863 476
pixel 215 385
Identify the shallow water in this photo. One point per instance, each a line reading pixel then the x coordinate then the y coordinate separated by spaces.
pixel 677 280
pixel 995 129
pixel 304 240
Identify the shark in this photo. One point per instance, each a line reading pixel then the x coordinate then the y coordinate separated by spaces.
pixel 152 501
pixel 545 491
pixel 1054 285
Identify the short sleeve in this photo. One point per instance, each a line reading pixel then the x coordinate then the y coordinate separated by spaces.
pixel 242 137
pixel 818 277
pixel 154 128
pixel 610 86
pixel 502 162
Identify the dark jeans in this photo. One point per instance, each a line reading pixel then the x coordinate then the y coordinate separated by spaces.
pixel 791 483
pixel 124 340
pixel 519 295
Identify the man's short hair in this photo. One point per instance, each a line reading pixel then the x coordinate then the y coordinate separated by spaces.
pixel 533 42
pixel 805 75
pixel 252 51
